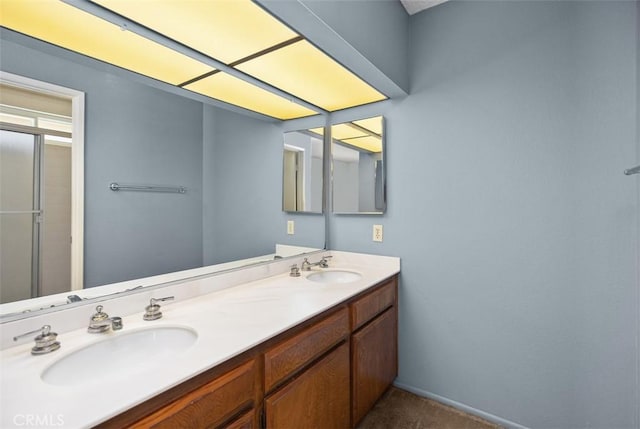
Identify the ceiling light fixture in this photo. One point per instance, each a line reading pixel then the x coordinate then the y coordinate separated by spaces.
pixel 199 45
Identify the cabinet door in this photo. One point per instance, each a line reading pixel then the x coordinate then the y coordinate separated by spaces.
pixel 318 398
pixel 375 361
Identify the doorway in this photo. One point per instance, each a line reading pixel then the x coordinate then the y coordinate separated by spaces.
pixel 41 188
pixel 35 219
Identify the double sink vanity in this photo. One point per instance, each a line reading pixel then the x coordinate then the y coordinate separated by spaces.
pixel 262 346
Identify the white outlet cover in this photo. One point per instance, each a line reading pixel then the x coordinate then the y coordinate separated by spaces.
pixel 377 233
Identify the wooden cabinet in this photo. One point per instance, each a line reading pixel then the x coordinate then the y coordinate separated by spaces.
pixel 245 421
pixel 374 347
pixel 318 398
pixel 210 405
pixel 290 356
pixel 324 373
pixel 370 305
pixel 374 362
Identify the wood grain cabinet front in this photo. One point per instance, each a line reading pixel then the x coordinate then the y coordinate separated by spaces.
pixel 290 356
pixel 373 303
pixel 318 398
pixel 211 405
pixel 245 421
pixel 374 362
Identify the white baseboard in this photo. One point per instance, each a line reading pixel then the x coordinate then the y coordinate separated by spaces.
pixel 462 407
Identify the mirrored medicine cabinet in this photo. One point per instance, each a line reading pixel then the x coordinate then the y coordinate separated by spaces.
pixel 357 167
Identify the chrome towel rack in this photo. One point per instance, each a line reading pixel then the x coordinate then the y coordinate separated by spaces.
pixel 147 188
pixel 634 170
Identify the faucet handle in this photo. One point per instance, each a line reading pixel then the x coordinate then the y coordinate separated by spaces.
pixel 306 265
pixel 295 271
pixel 152 311
pixel 323 262
pixel 166 298
pixel 99 315
pixel 99 322
pixel 45 342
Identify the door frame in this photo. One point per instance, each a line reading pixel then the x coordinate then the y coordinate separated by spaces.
pixel 77 164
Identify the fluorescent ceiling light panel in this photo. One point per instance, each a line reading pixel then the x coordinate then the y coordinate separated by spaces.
pixel 319 131
pixel 368 143
pixel 61 24
pixel 365 134
pixel 227 30
pixel 224 30
pixel 232 90
pixel 304 71
pixel 345 131
pixel 372 124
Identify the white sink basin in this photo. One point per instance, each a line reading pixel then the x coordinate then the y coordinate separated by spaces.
pixel 334 276
pixel 123 354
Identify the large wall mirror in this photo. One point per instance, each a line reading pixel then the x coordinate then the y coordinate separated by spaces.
pixel 357 163
pixel 302 171
pixel 140 131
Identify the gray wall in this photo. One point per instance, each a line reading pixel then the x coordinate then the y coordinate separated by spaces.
pixel 137 134
pixel 243 190
pixel 239 154
pixel 517 230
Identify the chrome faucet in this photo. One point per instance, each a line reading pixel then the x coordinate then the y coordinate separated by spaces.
pixel 295 271
pixel 322 263
pixel 152 311
pixel 46 342
pixel 101 322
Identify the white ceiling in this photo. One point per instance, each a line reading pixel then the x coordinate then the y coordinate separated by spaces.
pixel 415 6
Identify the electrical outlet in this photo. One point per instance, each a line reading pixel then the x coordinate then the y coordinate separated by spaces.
pixel 377 233
pixel 290 227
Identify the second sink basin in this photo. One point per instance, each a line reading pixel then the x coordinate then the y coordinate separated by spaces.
pixel 334 276
pixel 122 354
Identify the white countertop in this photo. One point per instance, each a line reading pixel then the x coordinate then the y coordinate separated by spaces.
pixel 228 322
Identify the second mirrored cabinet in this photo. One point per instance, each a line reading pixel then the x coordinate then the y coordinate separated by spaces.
pixel 358 173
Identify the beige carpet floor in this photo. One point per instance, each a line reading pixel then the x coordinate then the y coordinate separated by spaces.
pixel 399 409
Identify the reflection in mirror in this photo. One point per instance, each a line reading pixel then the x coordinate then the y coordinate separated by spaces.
pixel 302 171
pixel 358 173
pixel 139 131
pixel 40 163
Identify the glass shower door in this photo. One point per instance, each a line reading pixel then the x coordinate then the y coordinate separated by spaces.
pixel 20 215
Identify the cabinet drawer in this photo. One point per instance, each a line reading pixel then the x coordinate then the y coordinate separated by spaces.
pixel 209 405
pixel 367 307
pixel 288 357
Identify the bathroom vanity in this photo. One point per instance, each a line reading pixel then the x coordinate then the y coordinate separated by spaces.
pixel 313 375
pixel 279 351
